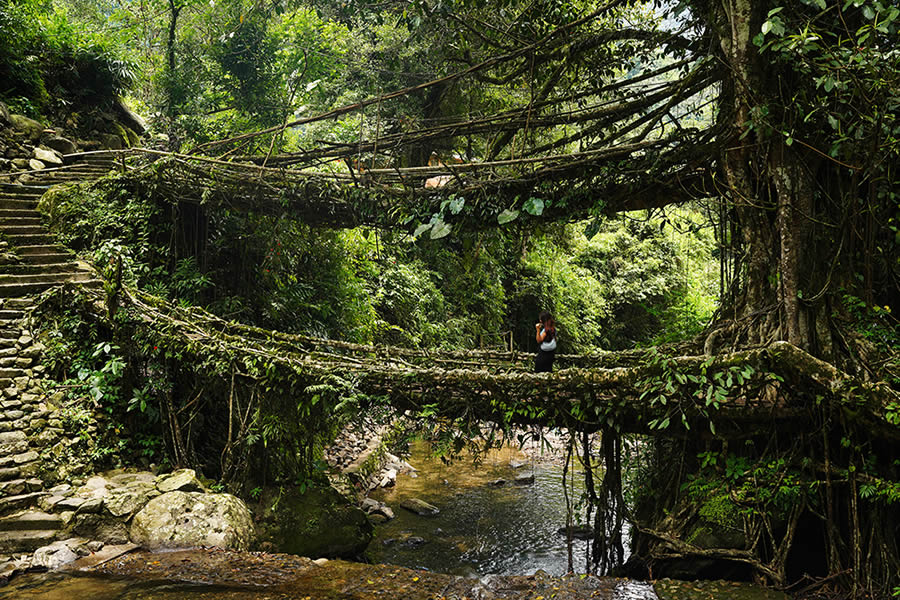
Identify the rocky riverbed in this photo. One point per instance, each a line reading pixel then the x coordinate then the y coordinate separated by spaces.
pixel 123 509
pixel 231 575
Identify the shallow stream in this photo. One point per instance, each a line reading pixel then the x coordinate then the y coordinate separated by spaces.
pixel 483 528
pixel 494 536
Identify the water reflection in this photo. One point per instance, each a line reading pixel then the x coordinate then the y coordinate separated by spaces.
pixel 482 528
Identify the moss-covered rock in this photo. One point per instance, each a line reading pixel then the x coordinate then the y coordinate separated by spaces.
pixel 319 522
pixel 33 129
pixel 187 519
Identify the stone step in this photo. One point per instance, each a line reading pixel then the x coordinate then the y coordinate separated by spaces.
pixel 31 520
pixel 26 218
pixel 21 289
pixel 15 486
pixel 11 374
pixel 18 203
pixel 47 258
pixel 52 278
pixel 19 198
pixel 91 156
pixel 30 239
pixel 7 473
pixel 71 173
pixel 91 166
pixel 10 334
pixel 32 193
pixel 30 269
pixel 17 228
pixel 13 503
pixel 19 213
pixel 26 249
pixel 18 187
pixel 10 314
pixel 26 541
pixel 20 303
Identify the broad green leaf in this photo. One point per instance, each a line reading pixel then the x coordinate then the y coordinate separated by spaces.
pixel 507 216
pixel 440 229
pixel 421 229
pixel 534 206
pixel 456 204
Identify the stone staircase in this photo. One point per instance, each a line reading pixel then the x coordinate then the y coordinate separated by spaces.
pixel 28 425
pixel 43 263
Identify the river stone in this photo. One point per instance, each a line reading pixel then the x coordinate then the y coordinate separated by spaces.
pixel 524 480
pixel 420 507
pixel 188 519
pixel 128 478
pixel 91 505
pixel 388 478
pixel 111 141
pixel 376 508
pixel 71 503
pixel 184 480
pixel 35 165
pixel 319 522
pixel 48 157
pixel 56 554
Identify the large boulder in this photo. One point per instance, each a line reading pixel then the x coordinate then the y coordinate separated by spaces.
pixel 61 144
pixel 188 519
pixel 110 141
pixel 129 118
pixel 4 114
pixel 316 523
pixel 29 127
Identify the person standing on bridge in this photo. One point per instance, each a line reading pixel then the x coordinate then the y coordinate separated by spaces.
pixel 545 335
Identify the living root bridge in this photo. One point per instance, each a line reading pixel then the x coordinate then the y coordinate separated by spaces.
pixel 730 395
pixel 394 198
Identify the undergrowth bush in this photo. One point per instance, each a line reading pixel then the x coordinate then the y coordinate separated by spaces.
pixel 48 64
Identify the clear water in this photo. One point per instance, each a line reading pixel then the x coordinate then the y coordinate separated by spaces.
pixel 482 529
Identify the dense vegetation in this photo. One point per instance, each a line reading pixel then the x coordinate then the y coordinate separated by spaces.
pixel 785 114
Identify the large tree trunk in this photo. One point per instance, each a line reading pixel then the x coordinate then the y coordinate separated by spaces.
pixel 771 194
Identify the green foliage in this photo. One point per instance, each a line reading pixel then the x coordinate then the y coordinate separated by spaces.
pixel 110 223
pixel 557 283
pixel 411 307
pixel 48 63
pixel 98 380
pixel 707 388
pixel 877 324
pixel 719 509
